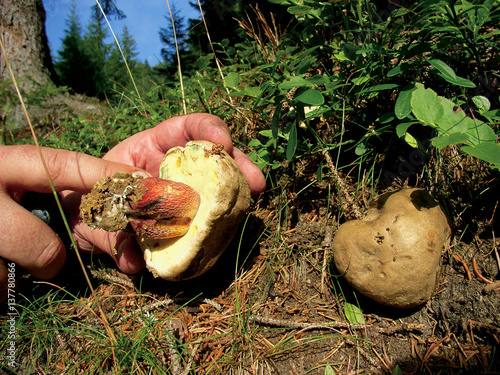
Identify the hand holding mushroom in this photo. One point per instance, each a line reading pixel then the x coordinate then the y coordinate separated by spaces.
pixel 30 243
pixel 146 150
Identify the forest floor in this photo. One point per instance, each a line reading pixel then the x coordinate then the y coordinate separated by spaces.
pixel 281 312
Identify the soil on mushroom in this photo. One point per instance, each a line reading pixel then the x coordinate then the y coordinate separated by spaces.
pixel 107 192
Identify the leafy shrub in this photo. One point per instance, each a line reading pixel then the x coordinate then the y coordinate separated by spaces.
pixel 349 60
pixel 451 124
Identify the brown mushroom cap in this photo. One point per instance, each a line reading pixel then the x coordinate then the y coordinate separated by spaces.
pixel 393 255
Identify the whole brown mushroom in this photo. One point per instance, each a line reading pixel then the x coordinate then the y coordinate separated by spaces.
pixel 393 255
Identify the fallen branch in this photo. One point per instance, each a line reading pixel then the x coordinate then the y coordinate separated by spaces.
pixel 335 326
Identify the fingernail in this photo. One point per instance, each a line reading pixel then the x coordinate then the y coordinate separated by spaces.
pixel 141 173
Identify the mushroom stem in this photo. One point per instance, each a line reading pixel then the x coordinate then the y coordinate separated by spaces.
pixel 150 207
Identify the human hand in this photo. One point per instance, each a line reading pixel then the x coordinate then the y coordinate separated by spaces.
pixel 26 240
pixel 146 150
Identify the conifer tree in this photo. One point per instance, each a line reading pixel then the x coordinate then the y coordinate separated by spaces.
pixel 110 9
pixel 98 51
pixel 115 65
pixel 73 66
pixel 169 53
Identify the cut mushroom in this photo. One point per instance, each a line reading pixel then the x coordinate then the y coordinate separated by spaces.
pixel 224 199
pixel 185 219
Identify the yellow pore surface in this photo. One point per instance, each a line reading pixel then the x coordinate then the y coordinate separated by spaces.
pixel 193 167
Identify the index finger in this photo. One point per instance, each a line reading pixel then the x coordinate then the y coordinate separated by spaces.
pixel 21 169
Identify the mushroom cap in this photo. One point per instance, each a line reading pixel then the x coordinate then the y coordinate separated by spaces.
pixel 224 200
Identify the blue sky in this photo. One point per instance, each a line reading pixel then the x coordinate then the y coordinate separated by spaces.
pixel 144 20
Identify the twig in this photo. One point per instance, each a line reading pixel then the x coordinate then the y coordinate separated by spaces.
pixel 145 309
pixel 193 353
pixel 285 323
pixel 175 358
pixel 214 304
pixel 101 275
pixel 324 270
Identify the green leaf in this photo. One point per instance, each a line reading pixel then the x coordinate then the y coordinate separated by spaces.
pixel 318 80
pixel 252 91
pixel 360 149
pixel 454 119
pixel 329 370
pixel 403 103
pixel 299 10
pixel 480 132
pixel 341 56
pixel 489 152
pixel 445 70
pixel 319 172
pixel 255 143
pixel 292 142
pixel 482 103
pixel 386 118
pixel 426 106
pixel 447 73
pixel 349 51
pixel 353 314
pixel 385 86
pixel 459 81
pixel 232 80
pixel 275 124
pixel 493 114
pixel 403 127
pixel 411 140
pixel 360 80
pixel 401 68
pixel 397 371
pixel 293 82
pixel 310 97
pixel 449 139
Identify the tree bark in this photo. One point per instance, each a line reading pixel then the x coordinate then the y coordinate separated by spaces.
pixel 22 28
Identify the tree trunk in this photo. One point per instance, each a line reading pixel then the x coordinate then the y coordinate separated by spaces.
pixel 22 27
